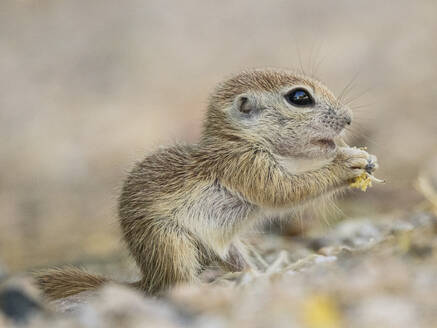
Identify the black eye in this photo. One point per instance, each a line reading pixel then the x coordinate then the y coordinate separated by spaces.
pixel 299 97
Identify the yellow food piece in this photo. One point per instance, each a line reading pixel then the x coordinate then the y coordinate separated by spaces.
pixel 321 311
pixel 404 241
pixel 362 182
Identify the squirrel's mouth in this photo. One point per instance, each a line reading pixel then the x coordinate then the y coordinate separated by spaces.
pixel 325 143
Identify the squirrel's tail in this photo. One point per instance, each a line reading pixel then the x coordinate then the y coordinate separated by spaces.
pixel 62 282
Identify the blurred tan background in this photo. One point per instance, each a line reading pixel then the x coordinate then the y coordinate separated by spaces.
pixel 88 87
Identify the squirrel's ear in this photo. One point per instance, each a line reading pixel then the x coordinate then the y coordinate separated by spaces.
pixel 245 106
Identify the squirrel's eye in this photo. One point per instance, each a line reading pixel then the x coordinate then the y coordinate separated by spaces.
pixel 299 97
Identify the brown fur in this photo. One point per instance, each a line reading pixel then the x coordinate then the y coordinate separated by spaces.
pixel 184 207
pixel 58 283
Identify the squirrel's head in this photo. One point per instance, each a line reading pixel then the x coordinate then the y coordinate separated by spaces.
pixel 292 114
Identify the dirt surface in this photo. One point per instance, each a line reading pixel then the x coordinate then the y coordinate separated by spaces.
pixel 363 273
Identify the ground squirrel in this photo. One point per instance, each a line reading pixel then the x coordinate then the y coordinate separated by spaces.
pixel 269 144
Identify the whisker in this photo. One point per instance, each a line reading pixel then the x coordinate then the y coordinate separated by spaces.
pixel 310 61
pixel 299 59
pixel 318 64
pixel 318 59
pixel 348 86
pixel 360 134
pixel 363 105
pixel 350 100
pixel 315 53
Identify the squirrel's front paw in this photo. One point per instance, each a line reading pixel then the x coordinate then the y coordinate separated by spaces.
pixel 353 162
pixel 372 164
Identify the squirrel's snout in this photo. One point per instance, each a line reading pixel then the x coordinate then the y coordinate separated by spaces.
pixel 343 121
pixel 344 116
pixel 336 120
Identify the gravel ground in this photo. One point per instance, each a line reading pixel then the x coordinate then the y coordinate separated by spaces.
pixel 378 272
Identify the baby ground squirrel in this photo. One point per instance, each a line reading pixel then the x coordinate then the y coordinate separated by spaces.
pixel 270 143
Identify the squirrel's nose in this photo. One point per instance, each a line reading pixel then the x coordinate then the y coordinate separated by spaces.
pixel 346 117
